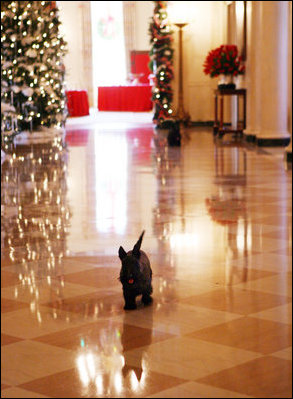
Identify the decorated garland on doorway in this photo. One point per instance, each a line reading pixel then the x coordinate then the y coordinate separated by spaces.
pixel 161 63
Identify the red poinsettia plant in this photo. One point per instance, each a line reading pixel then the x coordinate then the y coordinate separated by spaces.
pixel 224 60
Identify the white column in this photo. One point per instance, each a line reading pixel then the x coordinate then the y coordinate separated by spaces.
pixel 274 73
pixel 233 39
pixel 289 148
pixel 253 69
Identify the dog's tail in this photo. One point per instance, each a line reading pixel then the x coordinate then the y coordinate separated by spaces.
pixel 136 248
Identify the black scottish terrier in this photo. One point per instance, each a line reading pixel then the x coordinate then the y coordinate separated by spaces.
pixel 135 275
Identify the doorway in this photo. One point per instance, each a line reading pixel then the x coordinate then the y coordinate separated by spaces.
pixel 108 46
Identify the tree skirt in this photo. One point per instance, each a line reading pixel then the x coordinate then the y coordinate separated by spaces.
pixel 44 135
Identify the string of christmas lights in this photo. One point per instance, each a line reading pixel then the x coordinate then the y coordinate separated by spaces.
pixel 161 55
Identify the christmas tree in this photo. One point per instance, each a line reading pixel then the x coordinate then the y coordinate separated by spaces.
pixel 161 55
pixel 32 69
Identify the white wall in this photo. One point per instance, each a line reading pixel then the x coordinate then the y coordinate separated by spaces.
pixel 206 31
pixel 71 18
pixel 143 12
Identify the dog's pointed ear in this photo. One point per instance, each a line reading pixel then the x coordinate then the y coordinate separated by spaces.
pixel 122 253
pixel 136 248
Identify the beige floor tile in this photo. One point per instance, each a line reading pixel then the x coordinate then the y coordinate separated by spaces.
pixel 269 244
pixel 272 219
pixel 188 318
pixel 287 252
pixel 127 336
pixel 102 303
pixel 16 392
pixel 257 230
pixel 26 360
pixel 172 289
pixel 280 283
pixel 51 289
pixel 264 377
pixel 235 300
pixel 269 261
pixel 281 314
pixel 96 277
pixel 244 333
pixel 189 358
pixel 281 234
pixel 227 274
pixel 39 321
pixel 284 353
pixel 196 390
pixel 73 383
pixel 66 266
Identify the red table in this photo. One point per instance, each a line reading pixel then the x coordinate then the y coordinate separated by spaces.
pixel 77 102
pixel 125 98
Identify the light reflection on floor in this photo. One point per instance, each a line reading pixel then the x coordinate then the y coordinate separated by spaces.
pixel 217 217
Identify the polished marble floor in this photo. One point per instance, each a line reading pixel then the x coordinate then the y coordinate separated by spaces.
pixel 217 218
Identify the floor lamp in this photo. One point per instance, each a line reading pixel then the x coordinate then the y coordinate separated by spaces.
pixel 181 114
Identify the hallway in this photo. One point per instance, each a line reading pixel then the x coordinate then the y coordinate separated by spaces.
pixel 217 218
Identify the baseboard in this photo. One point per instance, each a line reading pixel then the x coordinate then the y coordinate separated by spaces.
pixel 273 142
pixel 201 123
pixel 249 138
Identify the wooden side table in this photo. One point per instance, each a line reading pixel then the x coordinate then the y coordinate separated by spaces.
pixel 219 128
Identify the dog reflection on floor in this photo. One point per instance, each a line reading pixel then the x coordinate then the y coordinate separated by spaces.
pixel 135 342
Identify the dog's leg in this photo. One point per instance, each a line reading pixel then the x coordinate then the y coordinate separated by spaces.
pixel 129 301
pixel 146 298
